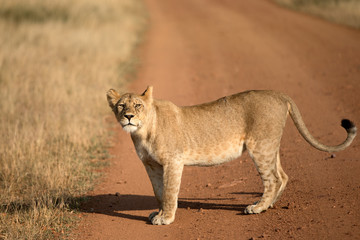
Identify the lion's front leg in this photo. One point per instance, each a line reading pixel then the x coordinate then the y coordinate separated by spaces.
pixel 155 173
pixel 171 186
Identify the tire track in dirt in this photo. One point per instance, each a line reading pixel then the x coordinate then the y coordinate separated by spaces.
pixel 198 51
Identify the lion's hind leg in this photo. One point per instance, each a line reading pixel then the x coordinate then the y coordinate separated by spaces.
pixel 284 179
pixel 265 157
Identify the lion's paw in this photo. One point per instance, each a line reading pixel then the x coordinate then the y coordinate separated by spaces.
pixel 253 209
pixel 152 215
pixel 159 219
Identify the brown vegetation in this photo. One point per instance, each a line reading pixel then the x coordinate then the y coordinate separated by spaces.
pixel 345 12
pixel 57 59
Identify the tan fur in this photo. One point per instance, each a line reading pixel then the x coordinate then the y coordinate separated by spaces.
pixel 167 137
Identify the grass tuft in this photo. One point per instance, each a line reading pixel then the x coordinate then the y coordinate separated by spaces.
pixel 57 60
pixel 346 12
pixel 33 13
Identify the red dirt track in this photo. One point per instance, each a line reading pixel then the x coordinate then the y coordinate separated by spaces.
pixel 198 51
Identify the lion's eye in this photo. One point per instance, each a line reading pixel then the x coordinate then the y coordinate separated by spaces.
pixel 137 106
pixel 121 106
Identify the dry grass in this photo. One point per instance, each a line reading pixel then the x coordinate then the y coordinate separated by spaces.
pixel 57 59
pixel 345 12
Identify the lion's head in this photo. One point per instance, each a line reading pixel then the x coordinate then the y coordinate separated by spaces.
pixel 130 109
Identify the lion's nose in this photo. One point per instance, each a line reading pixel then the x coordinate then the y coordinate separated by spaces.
pixel 129 116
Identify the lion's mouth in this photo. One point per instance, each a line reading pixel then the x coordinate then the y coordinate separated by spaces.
pixel 129 127
pixel 129 124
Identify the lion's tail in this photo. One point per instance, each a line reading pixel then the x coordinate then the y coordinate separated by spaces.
pixel 300 125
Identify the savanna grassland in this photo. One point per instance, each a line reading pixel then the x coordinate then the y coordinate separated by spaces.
pixel 345 12
pixel 57 60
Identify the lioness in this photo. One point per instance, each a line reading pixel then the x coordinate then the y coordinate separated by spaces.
pixel 167 137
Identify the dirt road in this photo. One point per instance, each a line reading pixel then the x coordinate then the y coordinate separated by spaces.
pixel 198 51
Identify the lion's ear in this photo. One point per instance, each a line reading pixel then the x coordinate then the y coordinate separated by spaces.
pixel 113 97
pixel 148 93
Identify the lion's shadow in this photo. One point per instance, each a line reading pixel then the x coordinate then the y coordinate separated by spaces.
pixel 117 205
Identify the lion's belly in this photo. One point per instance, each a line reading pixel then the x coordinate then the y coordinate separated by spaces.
pixel 213 155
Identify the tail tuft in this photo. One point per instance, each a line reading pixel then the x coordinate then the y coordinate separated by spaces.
pixel 348 125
